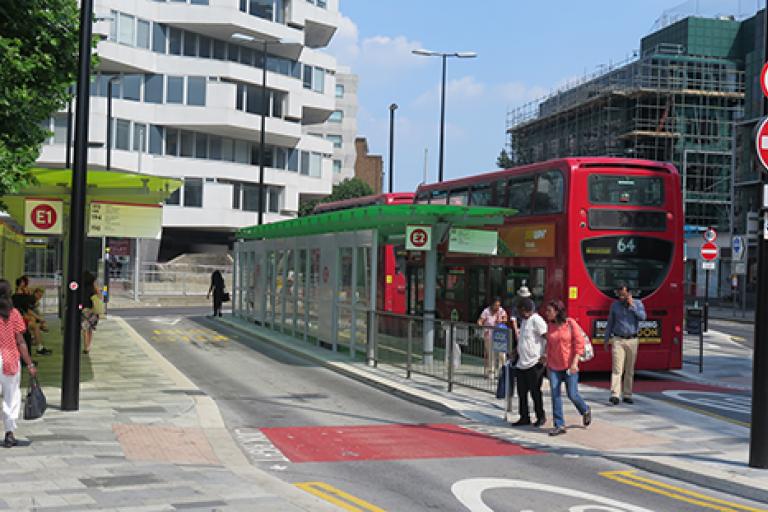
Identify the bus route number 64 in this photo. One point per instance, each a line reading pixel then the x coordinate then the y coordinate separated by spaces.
pixel 626 246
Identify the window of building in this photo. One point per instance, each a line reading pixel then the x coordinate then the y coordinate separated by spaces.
pixel 316 165
pixel 113 25
pixel 318 80
pixel 336 139
pixel 250 197
pixel 236 192
pixel 201 145
pixel 153 88
pixel 305 163
pixel 187 148
pixel 174 41
pixel 228 149
pixel 175 89
pixel 126 29
pixel 280 159
pixel 171 142
pixel 196 90
pixel 274 200
pixel 193 192
pixel 139 137
pixel 59 129
pixel 199 2
pixel 122 134
pixel 159 37
pixel 190 44
pixel 292 163
pixel 214 150
pixel 233 55
pixel 142 34
pixel 242 153
pixel 219 50
pixel 132 87
pixel 339 91
pixel 175 198
pixel 246 56
pixel 336 117
pixel 204 47
pixel 337 166
pixel 156 139
pixel 307 77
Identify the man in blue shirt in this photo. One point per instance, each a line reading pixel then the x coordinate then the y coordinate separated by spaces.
pixel 621 332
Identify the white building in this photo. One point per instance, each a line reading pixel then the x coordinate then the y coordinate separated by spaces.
pixel 187 104
pixel 341 127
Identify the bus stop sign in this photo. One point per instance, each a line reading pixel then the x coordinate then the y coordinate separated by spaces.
pixel 761 143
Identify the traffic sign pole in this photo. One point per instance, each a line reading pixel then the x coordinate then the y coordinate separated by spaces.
pixel 758 440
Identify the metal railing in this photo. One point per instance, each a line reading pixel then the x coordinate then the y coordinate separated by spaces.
pixel 458 353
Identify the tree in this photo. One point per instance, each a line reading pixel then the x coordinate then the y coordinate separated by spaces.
pixel 504 161
pixel 347 189
pixel 38 62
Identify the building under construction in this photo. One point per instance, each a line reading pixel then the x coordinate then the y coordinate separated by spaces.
pixel 675 101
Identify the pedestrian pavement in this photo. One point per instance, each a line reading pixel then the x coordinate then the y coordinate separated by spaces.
pixel 145 438
pixel 734 315
pixel 653 434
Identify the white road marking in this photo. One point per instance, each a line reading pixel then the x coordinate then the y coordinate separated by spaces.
pixel 469 493
pixel 722 401
pixel 165 320
pixel 257 446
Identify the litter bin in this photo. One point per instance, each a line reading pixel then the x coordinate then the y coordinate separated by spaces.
pixel 694 318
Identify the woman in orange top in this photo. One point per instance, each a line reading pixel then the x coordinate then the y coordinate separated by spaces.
pixel 564 346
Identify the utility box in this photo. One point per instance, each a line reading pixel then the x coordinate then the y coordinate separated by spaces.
pixel 694 318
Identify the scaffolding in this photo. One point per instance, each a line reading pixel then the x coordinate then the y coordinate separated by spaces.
pixel 663 105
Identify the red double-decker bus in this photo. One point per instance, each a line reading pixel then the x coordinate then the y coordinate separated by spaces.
pixel 584 225
pixel 392 271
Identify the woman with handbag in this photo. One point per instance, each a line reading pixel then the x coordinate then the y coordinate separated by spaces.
pixel 93 309
pixel 12 346
pixel 217 288
pixel 565 345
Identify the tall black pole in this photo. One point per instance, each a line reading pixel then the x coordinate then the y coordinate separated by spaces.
pixel 68 149
pixel 442 123
pixel 70 380
pixel 262 136
pixel 392 109
pixel 109 123
pixel 706 300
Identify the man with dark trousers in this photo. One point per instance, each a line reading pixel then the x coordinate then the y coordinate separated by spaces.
pixel 621 334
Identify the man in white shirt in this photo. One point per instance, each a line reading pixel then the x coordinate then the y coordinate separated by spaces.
pixel 531 348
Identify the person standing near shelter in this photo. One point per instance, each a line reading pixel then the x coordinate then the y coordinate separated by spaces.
pixel 217 288
pixel 12 347
pixel 621 333
pixel 491 316
pixel 565 344
pixel 531 355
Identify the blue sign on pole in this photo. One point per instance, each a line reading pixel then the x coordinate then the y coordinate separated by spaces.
pixel 500 339
pixel 738 247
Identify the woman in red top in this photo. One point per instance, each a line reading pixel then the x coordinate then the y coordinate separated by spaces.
pixel 12 346
pixel 564 346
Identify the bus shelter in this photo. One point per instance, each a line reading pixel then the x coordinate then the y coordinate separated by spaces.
pixel 315 278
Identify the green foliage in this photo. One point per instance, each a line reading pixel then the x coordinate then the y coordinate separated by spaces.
pixel 347 189
pixel 38 62
pixel 504 161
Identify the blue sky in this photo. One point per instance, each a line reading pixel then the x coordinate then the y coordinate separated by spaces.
pixel 525 49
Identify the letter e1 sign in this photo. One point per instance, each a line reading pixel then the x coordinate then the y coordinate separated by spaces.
pixel 43 216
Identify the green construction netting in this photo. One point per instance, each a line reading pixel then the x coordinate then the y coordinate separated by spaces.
pixel 387 220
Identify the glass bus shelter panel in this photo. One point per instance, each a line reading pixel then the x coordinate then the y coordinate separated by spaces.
pixel 344 296
pixel 281 257
pixel 300 294
pixel 326 293
pixel 313 295
pixel 289 283
pixel 362 296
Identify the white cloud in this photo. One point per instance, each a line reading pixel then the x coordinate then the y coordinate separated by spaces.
pixel 517 93
pixel 344 44
pixel 456 90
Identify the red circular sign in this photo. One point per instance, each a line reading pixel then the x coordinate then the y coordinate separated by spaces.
pixel 73 286
pixel 326 274
pixel 43 216
pixel 761 143
pixel 764 79
pixel 419 237
pixel 709 251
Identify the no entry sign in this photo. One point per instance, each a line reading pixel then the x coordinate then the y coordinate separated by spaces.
pixel 709 251
pixel 761 143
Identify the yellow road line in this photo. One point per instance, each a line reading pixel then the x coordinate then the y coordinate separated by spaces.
pixel 677 493
pixel 338 497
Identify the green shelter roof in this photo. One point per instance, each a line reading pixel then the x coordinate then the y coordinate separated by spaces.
pixel 117 186
pixel 389 219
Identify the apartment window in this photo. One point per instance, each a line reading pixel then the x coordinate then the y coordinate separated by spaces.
pixel 246 56
pixel 279 158
pixel 126 29
pixel 336 139
pixel 242 155
pixel 219 50
pixel 174 41
pixel 250 197
pixel 205 47
pixel 171 142
pixel 132 87
pixel 274 200
pixel 159 37
pixel 190 44
pixel 196 90
pixel 339 91
pixel 201 146
pixel 228 149
pixel 187 148
pixel 292 163
pixel 175 198
pixel 153 88
pixel 336 117
pixel 59 129
pixel 199 2
pixel 122 134
pixel 193 192
pixel 113 26
pixel 142 34
pixel 139 137
pixel 175 89
pixel 234 52
pixel 236 192
pixel 215 147
pixel 337 166
pixel 304 163
pixel 156 139
pixel 318 79
pixel 262 8
pixel 316 165
pixel 278 99
pixel 307 77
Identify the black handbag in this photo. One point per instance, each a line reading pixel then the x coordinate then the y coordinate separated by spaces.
pixel 225 297
pixel 36 404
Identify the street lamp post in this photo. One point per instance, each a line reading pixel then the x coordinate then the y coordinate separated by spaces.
pixel 70 381
pixel 109 120
pixel 264 111
pixel 392 109
pixel 444 56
